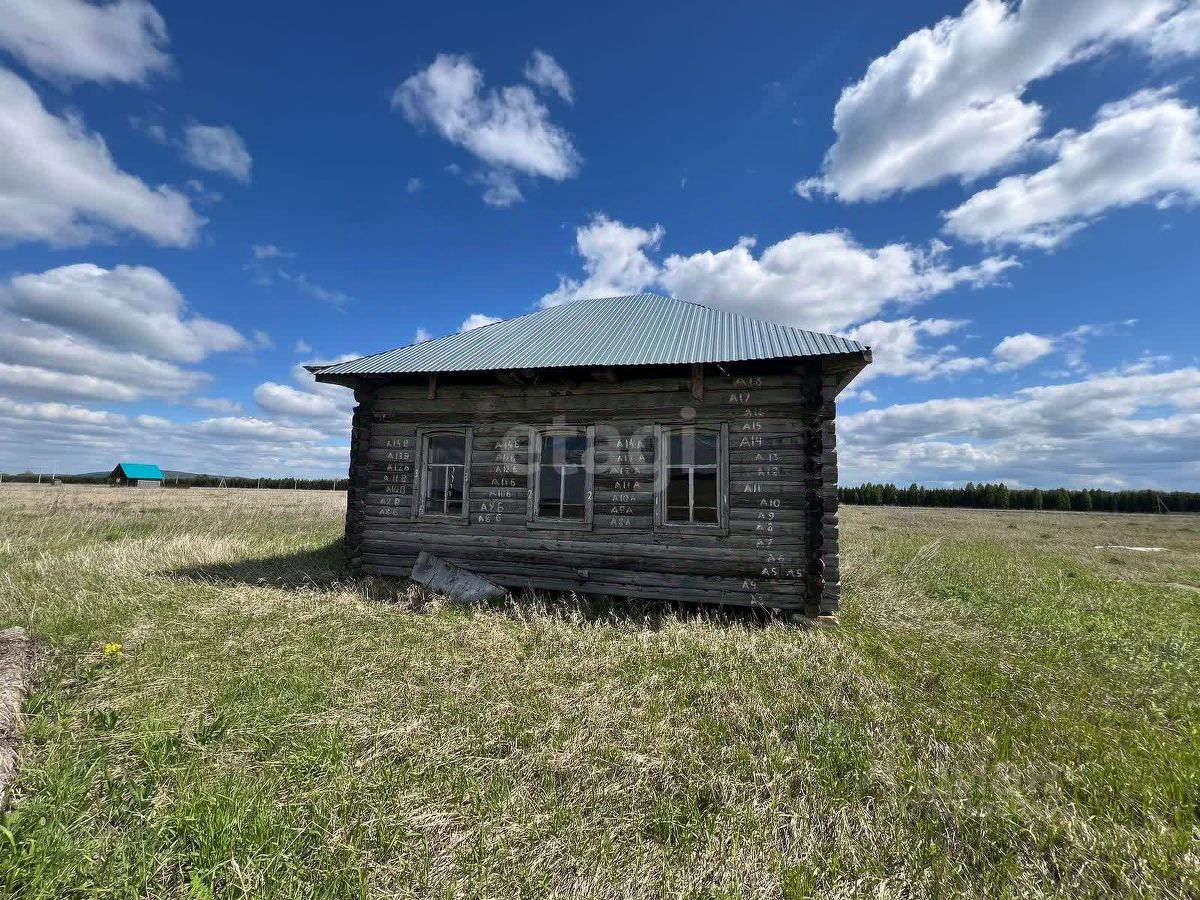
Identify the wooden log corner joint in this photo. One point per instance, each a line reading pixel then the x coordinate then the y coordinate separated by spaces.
pixel 636 446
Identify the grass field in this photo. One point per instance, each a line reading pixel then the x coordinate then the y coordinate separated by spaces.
pixel 1005 711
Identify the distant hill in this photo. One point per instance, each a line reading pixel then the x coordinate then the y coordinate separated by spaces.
pixel 189 479
pixel 169 474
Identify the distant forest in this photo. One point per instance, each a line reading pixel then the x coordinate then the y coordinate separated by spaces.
pixel 1001 496
pixel 972 496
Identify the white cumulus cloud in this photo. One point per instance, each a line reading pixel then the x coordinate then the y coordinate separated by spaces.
pixel 1119 429
pixel 899 350
pixel 43 360
pixel 615 261
pixel 508 130
pixel 300 280
pixel 82 439
pixel 217 148
pixel 823 281
pixel 1019 350
pixel 1142 149
pixel 544 71
pixel 31 381
pixel 123 335
pixel 324 406
pixel 132 308
pixel 1180 34
pixel 75 40
pixel 284 400
pixel 59 184
pixel 478 320
pixel 270 251
pixel 218 405
pixel 949 101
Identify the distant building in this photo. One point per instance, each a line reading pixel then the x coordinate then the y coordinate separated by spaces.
pixel 136 475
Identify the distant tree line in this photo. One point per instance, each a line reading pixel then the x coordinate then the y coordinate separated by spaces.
pixel 1001 496
pixel 308 484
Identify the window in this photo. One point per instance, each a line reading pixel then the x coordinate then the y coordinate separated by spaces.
pixel 445 473
pixel 692 468
pixel 561 475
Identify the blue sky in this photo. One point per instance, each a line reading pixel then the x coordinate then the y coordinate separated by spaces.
pixel 1000 198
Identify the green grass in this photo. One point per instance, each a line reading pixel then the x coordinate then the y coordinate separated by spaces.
pixel 1005 711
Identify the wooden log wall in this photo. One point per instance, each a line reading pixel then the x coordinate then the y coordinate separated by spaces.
pixel 827 561
pixel 780 547
pixel 359 477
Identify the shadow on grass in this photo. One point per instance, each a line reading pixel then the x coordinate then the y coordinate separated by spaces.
pixel 324 569
pixel 321 567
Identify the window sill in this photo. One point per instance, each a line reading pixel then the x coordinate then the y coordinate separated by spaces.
pixel 687 528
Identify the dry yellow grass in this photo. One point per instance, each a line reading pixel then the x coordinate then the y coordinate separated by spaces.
pixel 1005 710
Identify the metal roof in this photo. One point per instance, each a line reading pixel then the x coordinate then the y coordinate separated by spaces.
pixel 140 471
pixel 636 330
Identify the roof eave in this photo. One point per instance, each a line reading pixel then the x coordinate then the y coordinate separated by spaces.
pixel 854 364
pixel 343 379
pixel 854 361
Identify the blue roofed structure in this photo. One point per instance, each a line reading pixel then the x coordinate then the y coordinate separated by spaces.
pixel 138 474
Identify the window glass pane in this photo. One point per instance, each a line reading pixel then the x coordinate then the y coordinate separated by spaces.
pixel 443 490
pixel 574 449
pixel 435 488
pixel 677 496
pixel 692 494
pixel 562 477
pixel 447 448
pixel 705 448
pixel 444 471
pixel 549 492
pixel 690 447
pixel 454 489
pixel 574 487
pixel 704 496
pixel 563 449
pixel 675 455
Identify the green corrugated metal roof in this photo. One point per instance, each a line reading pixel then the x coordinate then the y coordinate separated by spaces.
pixel 141 471
pixel 640 329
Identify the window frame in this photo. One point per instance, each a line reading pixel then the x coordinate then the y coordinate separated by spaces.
pixel 662 451
pixel 418 509
pixel 536 433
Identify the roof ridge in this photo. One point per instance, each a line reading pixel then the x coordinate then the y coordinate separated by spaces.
pixel 716 309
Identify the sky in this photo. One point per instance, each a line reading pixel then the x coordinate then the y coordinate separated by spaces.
pixel 197 200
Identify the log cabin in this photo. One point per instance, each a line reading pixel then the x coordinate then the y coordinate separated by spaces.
pixel 639 446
